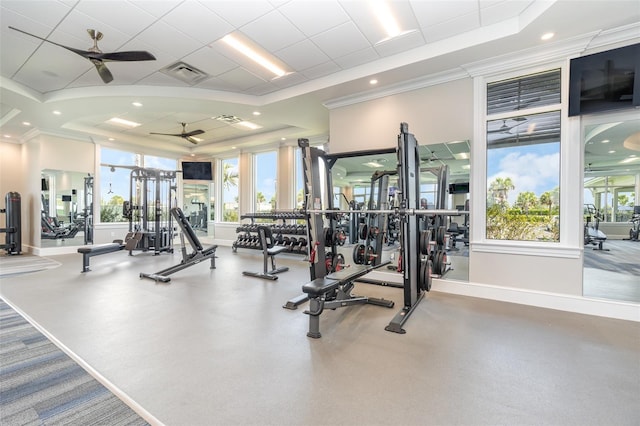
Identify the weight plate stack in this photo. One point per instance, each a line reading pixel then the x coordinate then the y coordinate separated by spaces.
pixel 358 254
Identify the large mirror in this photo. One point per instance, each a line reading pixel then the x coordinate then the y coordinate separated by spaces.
pixel 66 207
pixel 611 212
pixel 444 165
pixel 198 206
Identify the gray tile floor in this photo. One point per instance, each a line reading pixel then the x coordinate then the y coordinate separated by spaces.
pixel 216 348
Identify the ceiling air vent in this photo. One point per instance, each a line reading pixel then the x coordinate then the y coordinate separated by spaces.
pixel 229 119
pixel 185 72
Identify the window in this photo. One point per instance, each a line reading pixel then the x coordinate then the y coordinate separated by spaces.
pixel 153 162
pixel 229 180
pixel 523 158
pixel 114 182
pixel 265 183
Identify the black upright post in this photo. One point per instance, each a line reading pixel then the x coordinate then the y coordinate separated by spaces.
pixel 13 236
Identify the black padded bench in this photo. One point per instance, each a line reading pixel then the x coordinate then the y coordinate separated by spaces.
pixel 334 291
pixel 95 250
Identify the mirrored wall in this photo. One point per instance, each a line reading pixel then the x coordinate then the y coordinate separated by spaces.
pixel 198 206
pixel 352 178
pixel 611 211
pixel 66 207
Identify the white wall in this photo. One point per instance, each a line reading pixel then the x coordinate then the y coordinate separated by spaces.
pixel 435 114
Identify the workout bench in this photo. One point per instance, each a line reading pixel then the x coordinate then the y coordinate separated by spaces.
pixel 269 251
pixel 334 291
pixel 130 243
pixel 198 255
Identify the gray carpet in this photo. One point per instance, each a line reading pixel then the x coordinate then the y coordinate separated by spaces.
pixel 24 263
pixel 41 385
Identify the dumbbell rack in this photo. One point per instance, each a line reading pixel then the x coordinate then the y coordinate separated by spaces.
pixel 283 233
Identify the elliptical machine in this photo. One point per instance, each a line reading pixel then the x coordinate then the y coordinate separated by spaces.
pixel 592 234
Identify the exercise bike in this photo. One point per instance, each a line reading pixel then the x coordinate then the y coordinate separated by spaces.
pixel 592 234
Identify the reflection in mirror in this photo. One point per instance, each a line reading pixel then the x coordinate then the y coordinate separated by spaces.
pixel 352 178
pixel 66 208
pixel 611 214
pixel 197 206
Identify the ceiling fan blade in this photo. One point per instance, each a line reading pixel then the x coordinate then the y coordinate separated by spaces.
pixel 83 53
pixel 190 139
pixel 193 133
pixel 167 134
pixel 133 55
pixel 104 72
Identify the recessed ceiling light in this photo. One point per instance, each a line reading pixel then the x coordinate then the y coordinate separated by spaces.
pixel 7 136
pixel 136 104
pixel 283 139
pixel 547 36
pixel 57 113
pixel 612 152
pixel 123 122
pixel 192 154
pixel 373 81
pixel 249 125
pixel 256 113
pixel 382 11
pixel 111 139
pixel 606 141
pixel 233 147
pixel 26 123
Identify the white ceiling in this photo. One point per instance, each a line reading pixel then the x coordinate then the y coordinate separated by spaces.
pixel 331 48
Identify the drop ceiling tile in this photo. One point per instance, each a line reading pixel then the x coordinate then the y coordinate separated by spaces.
pixel 72 31
pixel 263 89
pixel 166 38
pixel 502 11
pixel 126 17
pixel 156 8
pixel 435 12
pixel 302 55
pixel 240 78
pixel 161 79
pixel 210 61
pixel 198 22
pixel 341 40
pixel 321 70
pixel 326 15
pixel 273 31
pixel 46 13
pixel 289 80
pixel 357 58
pixel 400 44
pixel 214 83
pixel 238 13
pixel 462 24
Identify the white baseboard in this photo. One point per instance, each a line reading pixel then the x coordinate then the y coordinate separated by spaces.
pixel 582 305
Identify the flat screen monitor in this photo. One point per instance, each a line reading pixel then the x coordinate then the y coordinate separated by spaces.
pixel 44 184
pixel 459 188
pixel 197 170
pixel 605 81
pixel 66 198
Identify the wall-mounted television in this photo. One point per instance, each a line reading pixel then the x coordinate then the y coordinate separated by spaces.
pixel 459 188
pixel 66 198
pixel 197 170
pixel 44 184
pixel 605 81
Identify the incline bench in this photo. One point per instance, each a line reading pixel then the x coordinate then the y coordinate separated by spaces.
pixel 198 255
pixel 334 291
pixel 131 241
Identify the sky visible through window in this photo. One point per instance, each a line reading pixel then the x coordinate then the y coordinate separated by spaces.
pixel 534 168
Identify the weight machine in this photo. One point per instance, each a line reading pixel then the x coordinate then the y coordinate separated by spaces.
pixel 152 195
pixel 331 287
pixel 13 224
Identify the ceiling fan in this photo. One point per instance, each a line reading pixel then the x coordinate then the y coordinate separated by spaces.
pixel 96 56
pixel 505 128
pixel 185 135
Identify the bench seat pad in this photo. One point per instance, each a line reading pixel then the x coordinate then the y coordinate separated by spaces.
pixel 100 248
pixel 320 286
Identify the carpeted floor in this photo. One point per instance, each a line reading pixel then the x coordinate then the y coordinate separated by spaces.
pixel 41 385
pixel 24 263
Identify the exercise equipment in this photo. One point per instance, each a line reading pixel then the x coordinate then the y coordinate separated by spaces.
pixel 592 233
pixel 329 286
pixel 88 210
pixel 334 291
pixel 13 224
pixel 634 232
pixel 269 252
pixel 198 254
pixel 152 195
pixel 130 242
